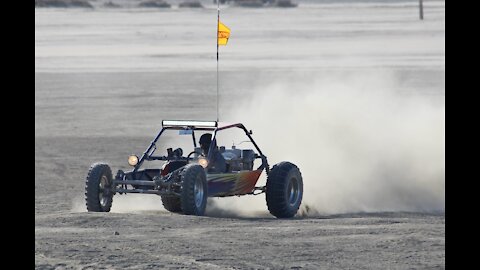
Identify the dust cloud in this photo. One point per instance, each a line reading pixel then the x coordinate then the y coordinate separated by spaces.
pixel 361 143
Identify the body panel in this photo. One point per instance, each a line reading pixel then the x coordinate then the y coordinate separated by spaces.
pixel 236 183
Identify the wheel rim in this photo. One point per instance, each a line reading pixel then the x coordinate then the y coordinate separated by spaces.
pixel 198 192
pixel 293 191
pixel 101 191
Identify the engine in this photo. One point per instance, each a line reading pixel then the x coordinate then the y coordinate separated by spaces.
pixel 238 159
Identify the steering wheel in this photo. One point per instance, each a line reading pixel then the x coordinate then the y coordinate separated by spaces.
pixel 193 152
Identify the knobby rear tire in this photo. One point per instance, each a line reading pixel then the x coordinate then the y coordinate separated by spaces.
pixel 284 190
pixel 172 203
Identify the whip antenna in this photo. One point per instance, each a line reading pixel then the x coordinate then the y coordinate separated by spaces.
pixel 218 34
pixel 223 33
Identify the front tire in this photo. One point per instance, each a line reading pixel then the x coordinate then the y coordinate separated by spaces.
pixel 194 190
pixel 98 193
pixel 284 190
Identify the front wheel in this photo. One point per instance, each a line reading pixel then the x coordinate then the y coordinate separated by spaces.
pixel 194 190
pixel 284 190
pixel 98 193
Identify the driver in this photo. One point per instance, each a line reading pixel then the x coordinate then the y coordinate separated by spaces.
pixel 216 163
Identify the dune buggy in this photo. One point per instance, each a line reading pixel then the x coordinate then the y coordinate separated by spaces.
pixel 185 182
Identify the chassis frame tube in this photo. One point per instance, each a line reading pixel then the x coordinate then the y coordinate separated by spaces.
pixel 134 182
pixel 152 145
pixel 241 126
pixel 146 191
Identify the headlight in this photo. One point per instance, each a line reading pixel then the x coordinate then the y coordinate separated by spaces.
pixel 203 162
pixel 132 160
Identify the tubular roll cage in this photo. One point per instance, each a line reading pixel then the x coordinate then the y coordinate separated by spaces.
pixel 201 126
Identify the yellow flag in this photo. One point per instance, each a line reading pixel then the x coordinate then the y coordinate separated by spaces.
pixel 223 34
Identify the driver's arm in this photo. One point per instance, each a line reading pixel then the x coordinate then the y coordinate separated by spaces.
pixel 218 163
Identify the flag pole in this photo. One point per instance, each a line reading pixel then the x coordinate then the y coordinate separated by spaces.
pixel 218 25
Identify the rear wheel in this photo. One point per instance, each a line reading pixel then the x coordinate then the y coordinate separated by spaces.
pixel 194 190
pixel 284 190
pixel 172 203
pixel 98 193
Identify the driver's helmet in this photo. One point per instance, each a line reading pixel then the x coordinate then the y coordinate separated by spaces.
pixel 205 139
